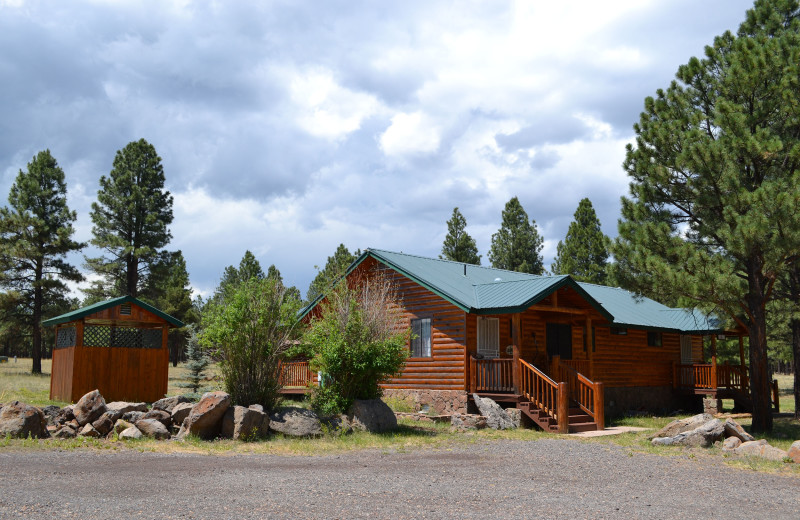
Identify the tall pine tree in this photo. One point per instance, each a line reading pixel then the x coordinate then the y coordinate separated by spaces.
pixel 584 252
pixel 517 245
pixel 458 245
pixel 131 219
pixel 714 209
pixel 35 237
pixel 335 267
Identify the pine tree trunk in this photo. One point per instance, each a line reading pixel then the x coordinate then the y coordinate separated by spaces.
pixel 760 390
pixel 36 352
pixel 794 298
pixel 132 275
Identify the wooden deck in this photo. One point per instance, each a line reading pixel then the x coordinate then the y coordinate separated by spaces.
pixel 720 382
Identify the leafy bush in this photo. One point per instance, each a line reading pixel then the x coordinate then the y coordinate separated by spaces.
pixel 358 340
pixel 250 331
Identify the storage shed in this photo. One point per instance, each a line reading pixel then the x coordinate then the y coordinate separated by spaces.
pixel 118 346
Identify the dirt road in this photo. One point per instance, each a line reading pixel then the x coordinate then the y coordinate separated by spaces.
pixel 551 478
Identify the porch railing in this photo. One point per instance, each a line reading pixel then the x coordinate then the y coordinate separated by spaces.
pixel 547 395
pixel 586 393
pixel 295 373
pixel 705 376
pixel 491 375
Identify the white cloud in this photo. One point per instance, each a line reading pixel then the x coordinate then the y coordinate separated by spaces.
pixel 410 134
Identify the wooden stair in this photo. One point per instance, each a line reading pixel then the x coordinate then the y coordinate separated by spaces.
pixel 579 421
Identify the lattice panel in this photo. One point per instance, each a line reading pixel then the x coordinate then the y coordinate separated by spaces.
pixel 124 337
pixel 65 337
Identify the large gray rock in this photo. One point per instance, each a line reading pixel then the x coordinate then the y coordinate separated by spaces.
pixel 467 421
pixel 682 425
pixel 89 431
pixel 372 415
pixel 296 422
pixel 120 426
pixel 89 407
pixel 205 418
pixel 496 417
pixel 161 416
pixel 702 436
pixel 794 452
pixel 104 424
pixel 116 409
pixel 65 432
pixel 734 429
pixel 131 433
pixel 132 416
pixel 51 414
pixel 761 448
pixel 152 428
pixel 181 412
pixel 169 403
pixel 731 443
pixel 22 420
pixel 242 424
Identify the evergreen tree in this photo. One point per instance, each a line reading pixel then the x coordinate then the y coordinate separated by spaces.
pixel 334 268
pixel 517 245
pixel 249 268
pixel 131 219
pixel 35 237
pixel 714 211
pixel 196 364
pixel 584 252
pixel 458 245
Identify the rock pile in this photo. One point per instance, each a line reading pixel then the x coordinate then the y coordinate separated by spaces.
pixel 177 417
pixel 703 430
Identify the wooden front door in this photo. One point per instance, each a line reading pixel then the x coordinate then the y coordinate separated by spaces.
pixel 559 340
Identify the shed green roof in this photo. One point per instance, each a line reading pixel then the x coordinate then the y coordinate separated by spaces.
pixel 100 306
pixel 485 290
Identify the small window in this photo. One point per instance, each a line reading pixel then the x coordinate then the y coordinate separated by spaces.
pixel 421 337
pixel 653 339
pixel 618 331
pixel 125 309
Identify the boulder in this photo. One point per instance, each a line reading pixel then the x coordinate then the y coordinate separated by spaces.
pixel 89 431
pixel 121 426
pixel 296 422
pixel 152 428
pixel 257 407
pixel 169 403
pixel 116 409
pixel 468 421
pixel 89 407
pixel 181 412
pixel 682 425
pixel 242 424
pixel 132 417
pixel 205 418
pixel 731 443
pixel 496 417
pixel 702 436
pixel 65 432
pixel 371 415
pixel 161 416
pixel 51 414
pixel 22 420
pixel 130 434
pixel 794 452
pixel 104 424
pixel 761 448
pixel 733 429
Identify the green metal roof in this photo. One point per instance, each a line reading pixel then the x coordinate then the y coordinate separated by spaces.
pixel 485 290
pixel 100 306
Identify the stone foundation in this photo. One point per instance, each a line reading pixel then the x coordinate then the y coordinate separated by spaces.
pixel 442 402
pixel 712 405
pixel 621 401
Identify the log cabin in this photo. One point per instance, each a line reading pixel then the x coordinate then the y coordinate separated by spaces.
pixel 565 353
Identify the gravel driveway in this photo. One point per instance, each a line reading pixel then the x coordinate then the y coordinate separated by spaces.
pixel 554 478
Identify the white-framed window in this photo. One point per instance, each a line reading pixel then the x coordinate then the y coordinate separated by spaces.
pixel 488 337
pixel 421 337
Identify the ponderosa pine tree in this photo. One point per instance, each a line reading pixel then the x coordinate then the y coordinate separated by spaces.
pixel 233 277
pixel 584 252
pixel 714 208
pixel 517 245
pixel 35 236
pixel 458 245
pixel 131 219
pixel 335 267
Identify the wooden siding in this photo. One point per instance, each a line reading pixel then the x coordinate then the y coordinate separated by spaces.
pixel 138 316
pixel 445 369
pixel 61 374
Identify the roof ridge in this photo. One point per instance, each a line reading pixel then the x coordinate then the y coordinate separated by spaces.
pixel 534 277
pixel 452 262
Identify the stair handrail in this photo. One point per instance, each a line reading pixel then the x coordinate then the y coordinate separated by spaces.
pixel 547 395
pixel 586 393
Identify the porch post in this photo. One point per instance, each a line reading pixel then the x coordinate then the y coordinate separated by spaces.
pixel 713 361
pixel 515 341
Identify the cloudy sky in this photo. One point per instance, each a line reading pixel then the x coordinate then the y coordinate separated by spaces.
pixel 288 127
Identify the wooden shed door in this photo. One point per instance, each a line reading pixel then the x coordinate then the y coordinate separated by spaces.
pixel 559 340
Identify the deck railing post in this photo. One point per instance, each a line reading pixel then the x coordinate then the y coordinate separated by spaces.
pixel 599 406
pixel 473 374
pixel 563 408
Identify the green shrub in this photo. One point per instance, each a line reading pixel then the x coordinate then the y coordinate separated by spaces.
pixel 358 340
pixel 249 331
